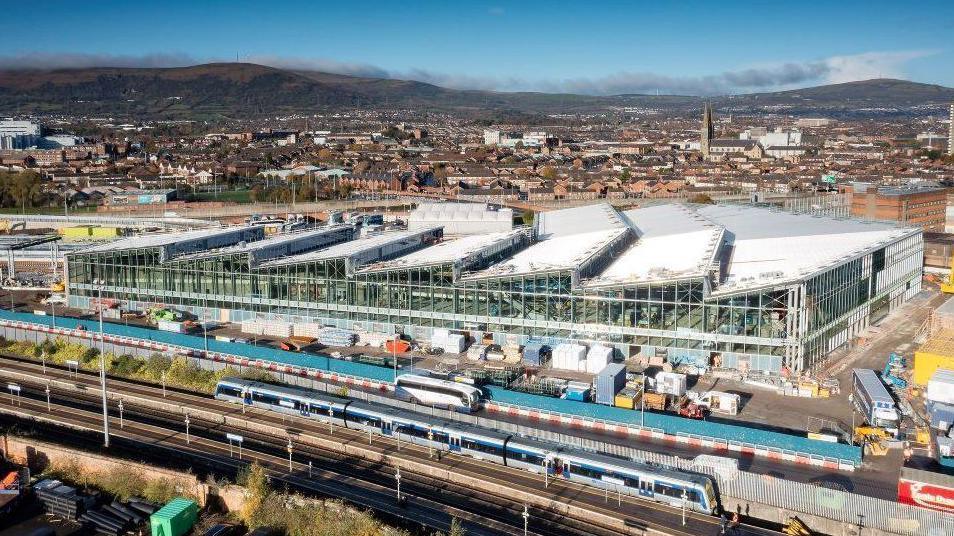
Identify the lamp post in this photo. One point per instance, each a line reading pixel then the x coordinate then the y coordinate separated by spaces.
pixel 53 310
pixel 290 447
pixel 121 422
pixel 397 477
pixel 188 439
pixel 102 361
pixel 684 507
pixel 49 409
pixel 526 519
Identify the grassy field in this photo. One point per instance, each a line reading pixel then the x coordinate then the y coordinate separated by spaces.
pixel 233 196
pixel 55 211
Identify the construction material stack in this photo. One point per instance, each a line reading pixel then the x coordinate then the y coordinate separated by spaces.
pixel 60 500
pixel 336 337
pixel 597 358
pixel 569 356
pixel 534 353
pixel 671 383
pixel 477 352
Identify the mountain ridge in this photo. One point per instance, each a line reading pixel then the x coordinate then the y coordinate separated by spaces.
pixel 249 90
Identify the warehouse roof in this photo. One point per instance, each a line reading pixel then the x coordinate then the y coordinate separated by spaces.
pixel 282 244
pixel 578 220
pixel 673 242
pixel 164 239
pixel 356 247
pixel 450 251
pixel 767 247
pixel 564 252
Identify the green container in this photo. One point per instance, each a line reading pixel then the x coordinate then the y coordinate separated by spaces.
pixel 175 518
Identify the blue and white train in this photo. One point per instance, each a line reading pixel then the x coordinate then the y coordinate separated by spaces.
pixel 640 479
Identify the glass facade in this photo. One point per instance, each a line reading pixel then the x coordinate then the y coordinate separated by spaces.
pixel 787 326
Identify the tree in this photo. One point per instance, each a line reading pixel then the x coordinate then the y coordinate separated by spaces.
pixel 344 190
pixel 702 199
pixel 528 217
pixel 325 155
pixel 548 172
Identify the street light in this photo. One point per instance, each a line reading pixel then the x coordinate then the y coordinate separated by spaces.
pixel 53 309
pixel 290 447
pixel 188 439
pixel 397 477
pixel 102 361
pixel 526 519
pixel 49 409
pixel 122 423
pixel 684 507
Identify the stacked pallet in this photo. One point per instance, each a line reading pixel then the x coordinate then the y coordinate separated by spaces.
pixel 267 327
pixel 511 353
pixel 253 327
pixel 336 337
pixel 477 352
pixel 59 500
pixel 308 329
pixel 373 339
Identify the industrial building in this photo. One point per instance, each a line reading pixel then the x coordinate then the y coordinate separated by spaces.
pixel 724 286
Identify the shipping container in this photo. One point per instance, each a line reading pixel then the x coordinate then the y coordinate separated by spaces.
pixel 175 518
pixel 610 381
pixel 873 400
pixel 941 415
pixel 940 388
pixel 936 353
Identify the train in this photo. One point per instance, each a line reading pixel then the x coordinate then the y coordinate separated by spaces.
pixel 641 479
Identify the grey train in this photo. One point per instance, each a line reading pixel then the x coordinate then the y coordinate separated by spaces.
pixel 640 479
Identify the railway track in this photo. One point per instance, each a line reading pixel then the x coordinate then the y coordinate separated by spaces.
pixel 642 516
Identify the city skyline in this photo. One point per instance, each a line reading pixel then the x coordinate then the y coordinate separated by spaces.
pixel 609 48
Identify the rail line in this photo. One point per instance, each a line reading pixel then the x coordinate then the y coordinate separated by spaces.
pixel 648 515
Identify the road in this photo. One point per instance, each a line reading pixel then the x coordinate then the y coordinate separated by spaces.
pixel 653 517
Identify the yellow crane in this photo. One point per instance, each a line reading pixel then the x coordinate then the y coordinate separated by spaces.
pixel 947 286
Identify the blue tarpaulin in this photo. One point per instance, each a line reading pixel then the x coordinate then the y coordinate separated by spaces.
pixel 670 424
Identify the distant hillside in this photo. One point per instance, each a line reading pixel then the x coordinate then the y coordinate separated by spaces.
pixel 878 92
pixel 242 90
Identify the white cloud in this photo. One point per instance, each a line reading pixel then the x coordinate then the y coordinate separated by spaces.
pixel 835 69
pixel 871 65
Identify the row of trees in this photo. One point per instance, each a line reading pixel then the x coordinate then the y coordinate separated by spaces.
pixel 21 190
pixel 301 190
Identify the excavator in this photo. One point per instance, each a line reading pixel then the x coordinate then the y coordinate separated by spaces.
pixel 874 437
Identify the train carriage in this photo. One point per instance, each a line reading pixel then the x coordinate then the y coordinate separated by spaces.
pixel 640 479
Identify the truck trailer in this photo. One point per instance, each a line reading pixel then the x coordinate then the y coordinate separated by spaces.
pixel 874 401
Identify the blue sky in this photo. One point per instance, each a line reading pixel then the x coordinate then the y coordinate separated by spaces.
pixel 587 47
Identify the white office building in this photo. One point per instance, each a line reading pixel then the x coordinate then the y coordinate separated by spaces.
pixel 18 134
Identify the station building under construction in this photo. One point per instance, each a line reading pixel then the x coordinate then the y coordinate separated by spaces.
pixel 726 286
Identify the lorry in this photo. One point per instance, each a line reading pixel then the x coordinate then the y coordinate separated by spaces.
pixel 872 399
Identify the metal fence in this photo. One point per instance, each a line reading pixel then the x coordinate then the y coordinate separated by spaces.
pixel 845 507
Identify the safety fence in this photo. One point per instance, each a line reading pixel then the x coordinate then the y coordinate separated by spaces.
pixel 842 506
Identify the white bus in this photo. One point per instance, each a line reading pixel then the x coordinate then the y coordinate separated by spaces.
pixel 438 392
